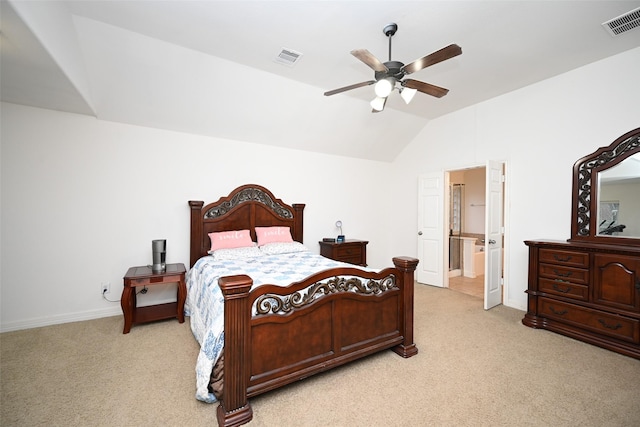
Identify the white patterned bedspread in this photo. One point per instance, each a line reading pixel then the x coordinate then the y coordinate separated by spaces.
pixel 205 303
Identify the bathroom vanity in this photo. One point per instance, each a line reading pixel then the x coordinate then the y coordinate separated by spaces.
pixel 472 257
pixel 588 287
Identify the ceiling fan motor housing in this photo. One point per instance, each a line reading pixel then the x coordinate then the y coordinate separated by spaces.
pixel 394 70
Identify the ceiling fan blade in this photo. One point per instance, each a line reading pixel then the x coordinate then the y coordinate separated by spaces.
pixel 367 57
pixel 427 88
pixel 346 88
pixel 433 58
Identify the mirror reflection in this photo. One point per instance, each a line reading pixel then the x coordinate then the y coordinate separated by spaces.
pixel 619 199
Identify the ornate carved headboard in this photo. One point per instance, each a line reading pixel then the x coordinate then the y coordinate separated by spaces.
pixel 246 207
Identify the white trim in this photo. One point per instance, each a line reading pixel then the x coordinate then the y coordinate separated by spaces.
pixel 62 318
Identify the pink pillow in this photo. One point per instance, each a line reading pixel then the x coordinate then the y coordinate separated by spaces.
pixel 230 239
pixel 273 235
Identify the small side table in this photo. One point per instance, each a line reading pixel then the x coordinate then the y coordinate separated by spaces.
pixel 352 251
pixel 144 276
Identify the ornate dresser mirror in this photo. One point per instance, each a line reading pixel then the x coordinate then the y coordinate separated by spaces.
pixel 606 194
pixel 588 287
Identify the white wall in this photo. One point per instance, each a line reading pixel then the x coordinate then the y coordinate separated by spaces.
pixel 83 198
pixel 540 131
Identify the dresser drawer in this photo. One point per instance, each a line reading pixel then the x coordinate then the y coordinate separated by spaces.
pixel 619 327
pixel 562 257
pixel 567 274
pixel 565 289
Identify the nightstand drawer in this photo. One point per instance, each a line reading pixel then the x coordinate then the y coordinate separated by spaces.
pixel 348 251
pixel 355 260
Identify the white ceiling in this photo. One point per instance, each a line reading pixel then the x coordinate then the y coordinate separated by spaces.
pixel 207 67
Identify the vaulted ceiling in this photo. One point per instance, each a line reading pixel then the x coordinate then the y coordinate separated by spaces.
pixel 209 67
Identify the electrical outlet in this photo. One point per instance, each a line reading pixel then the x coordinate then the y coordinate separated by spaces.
pixel 105 288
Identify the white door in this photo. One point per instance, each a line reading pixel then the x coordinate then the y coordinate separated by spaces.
pixel 431 229
pixel 493 235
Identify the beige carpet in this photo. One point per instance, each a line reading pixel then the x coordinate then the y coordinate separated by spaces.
pixel 474 368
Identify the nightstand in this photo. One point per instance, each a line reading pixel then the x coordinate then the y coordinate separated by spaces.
pixel 144 276
pixel 351 251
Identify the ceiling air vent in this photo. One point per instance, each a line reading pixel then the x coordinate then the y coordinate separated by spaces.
pixel 623 23
pixel 288 57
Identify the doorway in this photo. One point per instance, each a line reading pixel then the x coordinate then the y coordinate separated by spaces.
pixel 434 233
pixel 466 214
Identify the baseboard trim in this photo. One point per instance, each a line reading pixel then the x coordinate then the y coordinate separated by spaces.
pixel 62 318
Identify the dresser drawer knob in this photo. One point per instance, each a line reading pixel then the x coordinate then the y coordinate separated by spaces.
pixel 558 313
pixel 567 274
pixel 613 327
pixel 561 259
pixel 564 291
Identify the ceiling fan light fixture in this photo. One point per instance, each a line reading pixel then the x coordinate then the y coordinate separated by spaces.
pixel 378 103
pixel 407 94
pixel 390 75
pixel 383 87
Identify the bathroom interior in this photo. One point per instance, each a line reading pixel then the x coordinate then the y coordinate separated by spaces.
pixel 466 230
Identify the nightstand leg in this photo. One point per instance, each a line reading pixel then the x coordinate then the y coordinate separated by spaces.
pixel 127 302
pixel 182 297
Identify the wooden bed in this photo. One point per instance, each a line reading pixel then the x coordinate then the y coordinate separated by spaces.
pixel 352 319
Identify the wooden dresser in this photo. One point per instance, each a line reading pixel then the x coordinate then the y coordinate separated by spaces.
pixel 588 287
pixel 590 292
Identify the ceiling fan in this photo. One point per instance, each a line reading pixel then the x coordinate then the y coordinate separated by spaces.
pixel 387 74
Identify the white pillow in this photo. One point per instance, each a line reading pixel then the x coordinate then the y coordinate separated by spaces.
pixel 236 253
pixel 283 248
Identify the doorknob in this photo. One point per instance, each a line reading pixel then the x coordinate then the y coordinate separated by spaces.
pixel 419 233
pixel 492 242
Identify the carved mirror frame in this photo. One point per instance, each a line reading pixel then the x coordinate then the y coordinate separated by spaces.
pixel 585 186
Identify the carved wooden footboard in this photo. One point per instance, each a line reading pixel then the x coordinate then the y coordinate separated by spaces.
pixel 277 335
pixel 309 327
